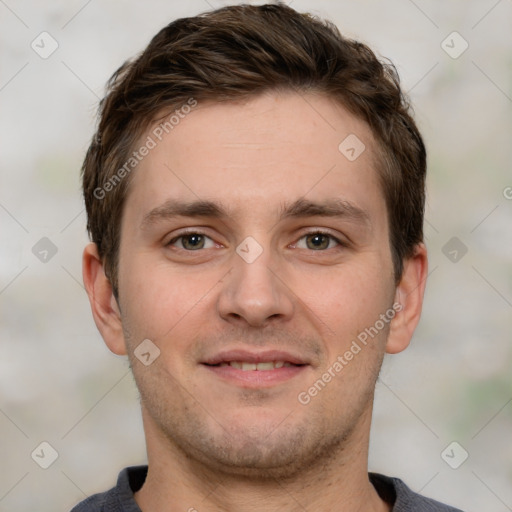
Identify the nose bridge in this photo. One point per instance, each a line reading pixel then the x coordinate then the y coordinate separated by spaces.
pixel 253 290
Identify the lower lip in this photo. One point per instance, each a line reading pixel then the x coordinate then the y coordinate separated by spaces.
pixel 256 378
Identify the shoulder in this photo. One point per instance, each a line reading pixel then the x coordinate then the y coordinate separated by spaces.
pixel 95 503
pixel 406 500
pixel 121 497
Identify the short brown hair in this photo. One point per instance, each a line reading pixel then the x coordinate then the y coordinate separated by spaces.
pixel 241 51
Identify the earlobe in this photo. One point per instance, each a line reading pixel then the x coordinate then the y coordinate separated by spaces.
pixel 105 310
pixel 408 301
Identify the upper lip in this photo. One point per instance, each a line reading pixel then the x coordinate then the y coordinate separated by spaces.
pixel 254 357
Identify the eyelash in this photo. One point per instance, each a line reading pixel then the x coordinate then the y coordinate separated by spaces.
pixel 318 232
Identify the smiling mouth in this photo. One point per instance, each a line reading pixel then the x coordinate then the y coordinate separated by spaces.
pixel 255 374
pixel 247 368
pixel 262 367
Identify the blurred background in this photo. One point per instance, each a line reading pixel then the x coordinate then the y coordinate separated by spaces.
pixel 443 412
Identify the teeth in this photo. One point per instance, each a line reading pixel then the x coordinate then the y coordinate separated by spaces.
pixel 268 365
pixel 264 366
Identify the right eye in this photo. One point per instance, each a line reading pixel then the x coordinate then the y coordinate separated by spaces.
pixel 192 241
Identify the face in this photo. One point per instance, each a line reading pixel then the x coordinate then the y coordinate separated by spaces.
pixel 254 256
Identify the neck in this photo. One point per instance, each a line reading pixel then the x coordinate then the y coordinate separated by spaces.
pixel 338 482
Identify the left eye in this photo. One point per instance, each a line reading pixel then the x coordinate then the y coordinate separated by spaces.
pixel 192 242
pixel 318 241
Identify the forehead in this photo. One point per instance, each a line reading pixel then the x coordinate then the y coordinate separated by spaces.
pixel 255 154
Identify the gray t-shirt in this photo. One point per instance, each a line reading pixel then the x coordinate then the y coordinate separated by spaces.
pixel 120 498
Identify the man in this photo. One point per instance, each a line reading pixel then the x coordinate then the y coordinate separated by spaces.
pixel 255 198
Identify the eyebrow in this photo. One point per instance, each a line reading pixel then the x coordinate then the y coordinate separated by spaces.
pixel 327 208
pixel 301 208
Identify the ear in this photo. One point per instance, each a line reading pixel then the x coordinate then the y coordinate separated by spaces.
pixel 408 301
pixel 105 309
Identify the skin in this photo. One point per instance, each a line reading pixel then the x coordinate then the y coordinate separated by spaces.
pixel 218 444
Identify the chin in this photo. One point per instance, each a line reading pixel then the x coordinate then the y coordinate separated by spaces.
pixel 260 449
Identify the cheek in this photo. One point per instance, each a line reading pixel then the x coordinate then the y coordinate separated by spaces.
pixel 164 307
pixel 357 291
pixel 347 306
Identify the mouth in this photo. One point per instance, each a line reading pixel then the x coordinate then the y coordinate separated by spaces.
pixel 260 367
pixel 255 369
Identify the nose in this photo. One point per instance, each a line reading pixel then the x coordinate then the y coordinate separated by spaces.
pixel 255 292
